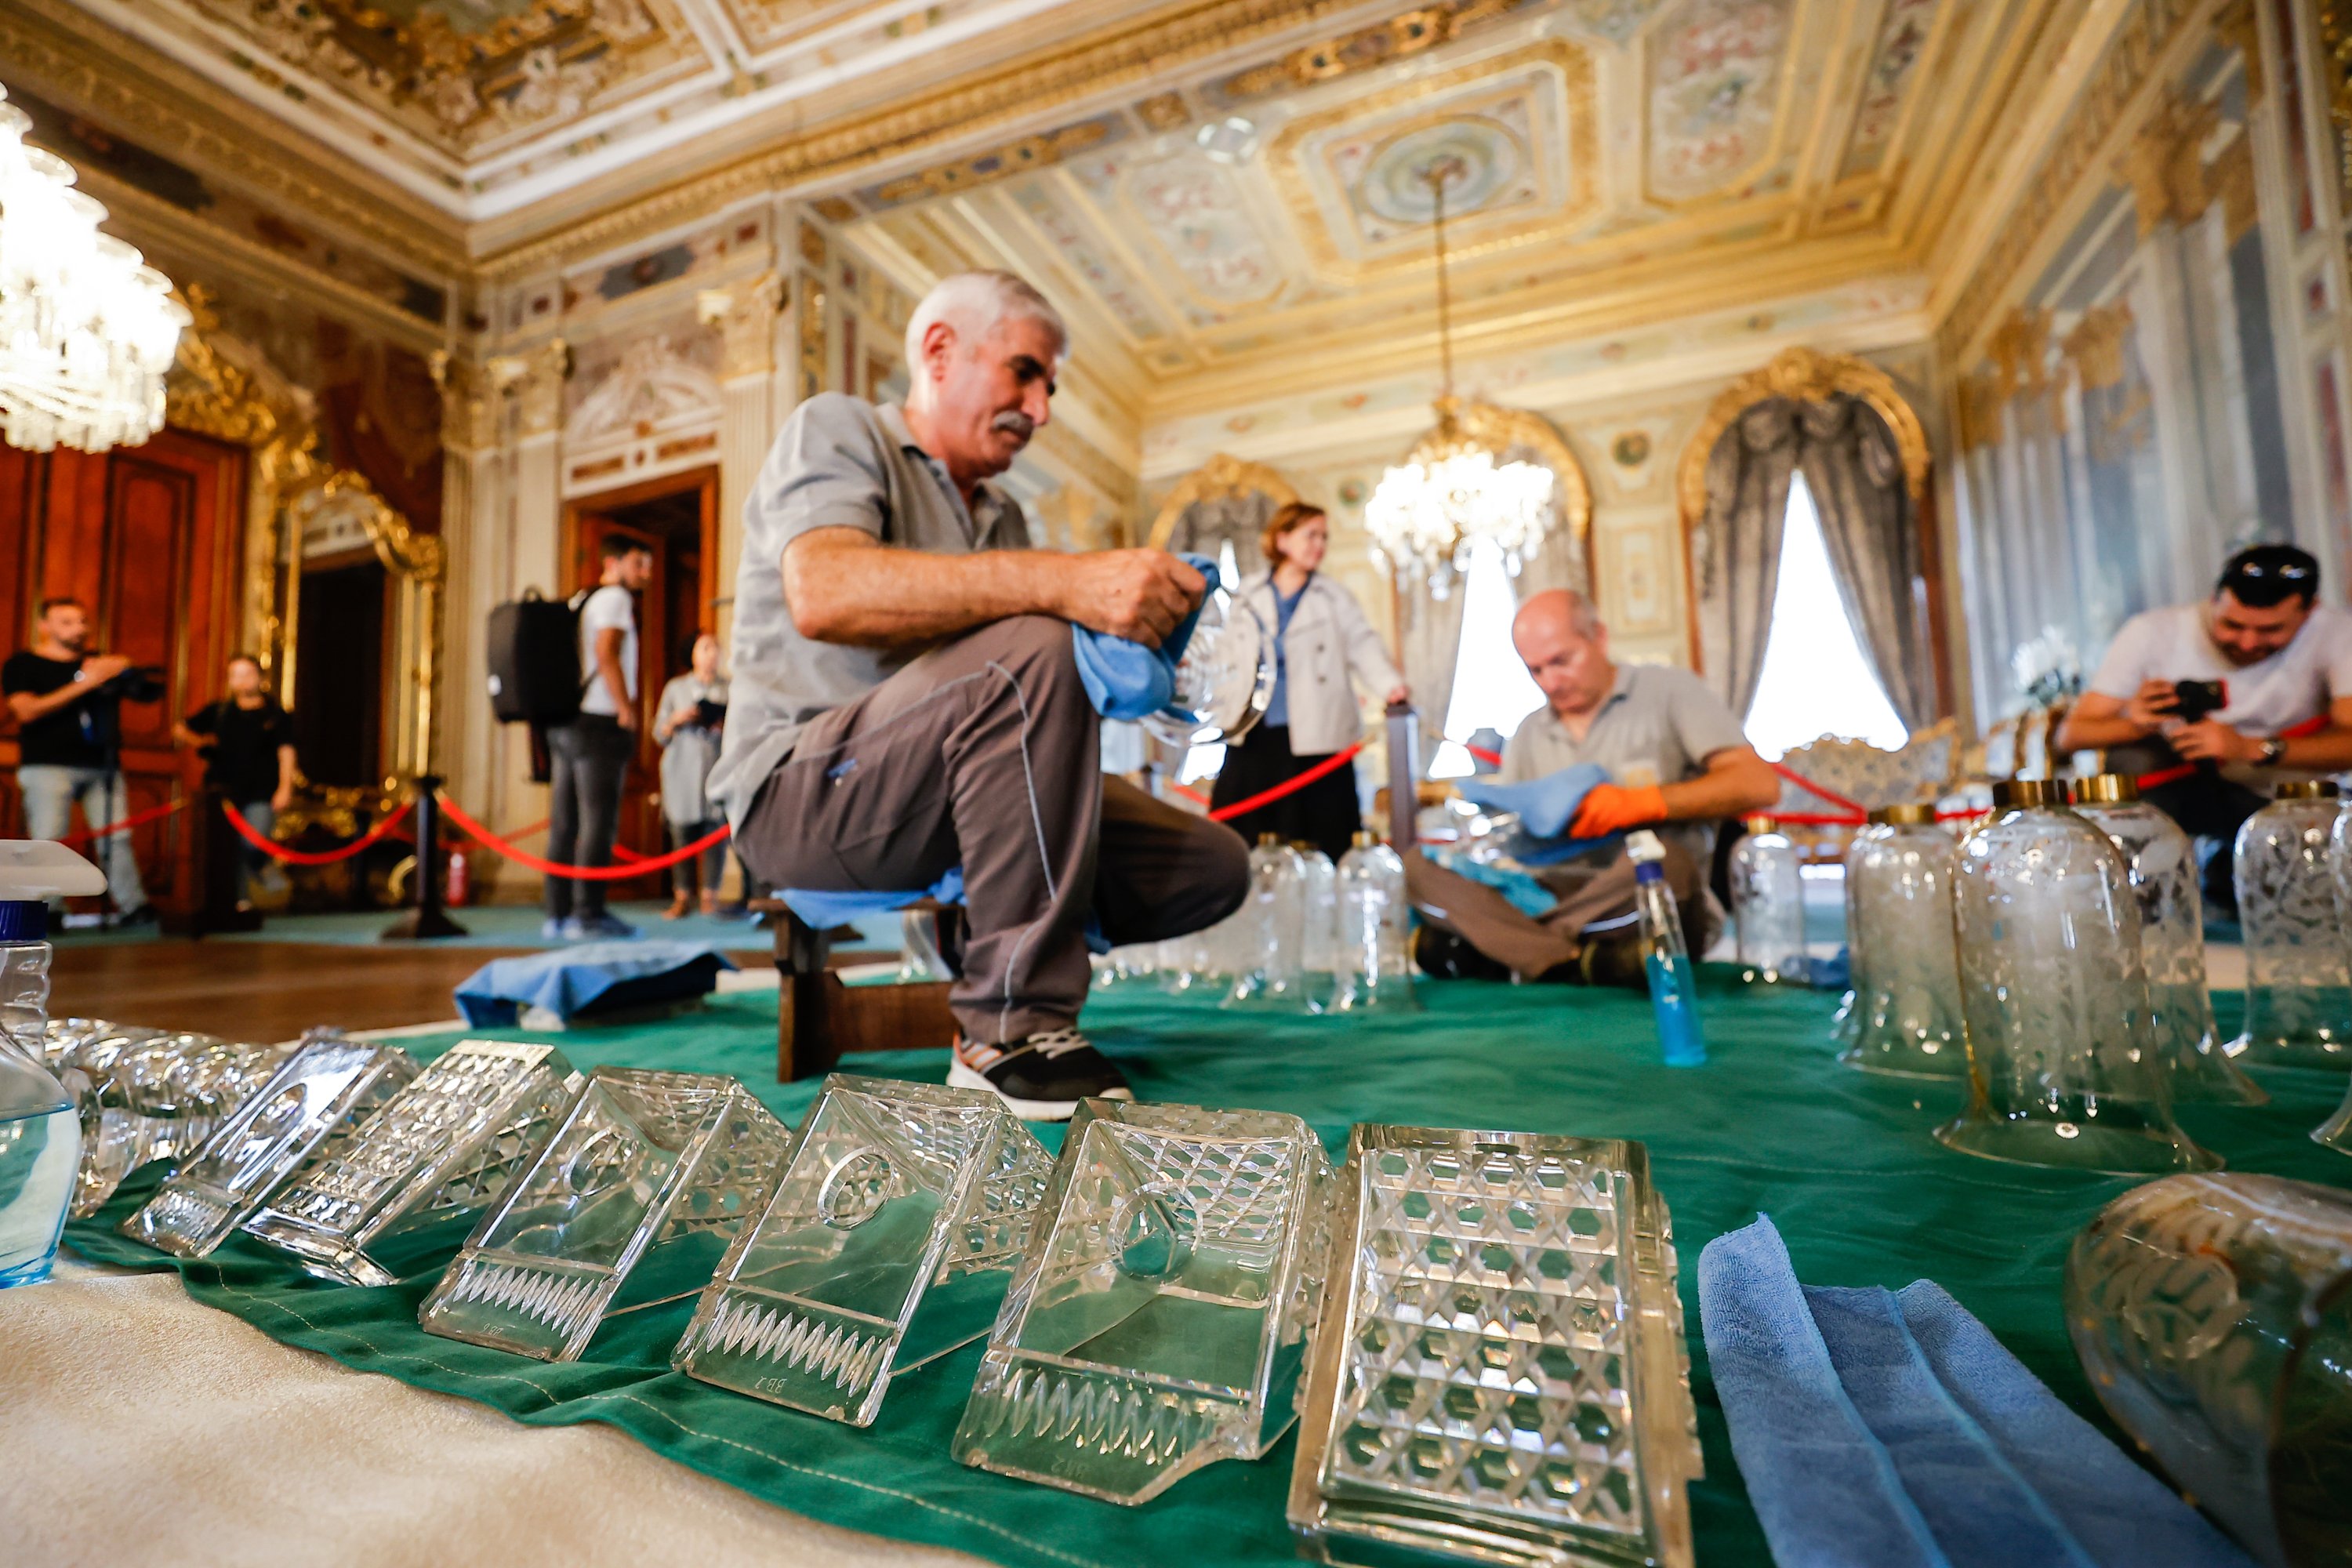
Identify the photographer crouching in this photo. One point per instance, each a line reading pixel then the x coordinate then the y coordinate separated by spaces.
pixel 68 703
pixel 2206 703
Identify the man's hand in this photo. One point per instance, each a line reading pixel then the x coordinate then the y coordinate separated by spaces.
pixel 1612 808
pixel 2152 704
pixel 103 668
pixel 1402 693
pixel 282 798
pixel 1140 595
pixel 2211 741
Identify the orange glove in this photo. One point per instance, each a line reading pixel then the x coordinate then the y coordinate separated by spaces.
pixel 1612 808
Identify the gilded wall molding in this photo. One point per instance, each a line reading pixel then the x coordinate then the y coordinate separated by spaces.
pixel 1221 478
pixel 2095 346
pixel 1397 38
pixel 2164 163
pixel 1802 375
pixel 744 317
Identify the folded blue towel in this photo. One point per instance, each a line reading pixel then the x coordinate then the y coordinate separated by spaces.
pixel 1888 1429
pixel 1125 680
pixel 568 981
pixel 1545 805
pixel 1523 892
pixel 825 910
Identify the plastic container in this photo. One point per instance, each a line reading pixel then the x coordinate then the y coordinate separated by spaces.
pixel 1906 980
pixel 1767 901
pixel 1320 898
pixel 2298 967
pixel 1674 984
pixel 40 1127
pixel 1270 972
pixel 1373 955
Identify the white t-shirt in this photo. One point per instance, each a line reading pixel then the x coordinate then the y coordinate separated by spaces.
pixel 609 608
pixel 2293 685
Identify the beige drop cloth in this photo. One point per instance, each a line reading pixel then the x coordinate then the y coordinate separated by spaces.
pixel 138 1427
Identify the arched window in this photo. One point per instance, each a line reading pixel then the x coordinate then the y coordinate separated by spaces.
pixel 1816 681
pixel 1491 687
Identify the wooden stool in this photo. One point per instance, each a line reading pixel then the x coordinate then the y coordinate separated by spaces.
pixel 819 1020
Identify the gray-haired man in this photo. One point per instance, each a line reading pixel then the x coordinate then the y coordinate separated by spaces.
pixel 907 696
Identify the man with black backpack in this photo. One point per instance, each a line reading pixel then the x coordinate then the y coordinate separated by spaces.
pixel 590 753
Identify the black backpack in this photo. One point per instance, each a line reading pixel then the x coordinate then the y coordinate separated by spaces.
pixel 535 659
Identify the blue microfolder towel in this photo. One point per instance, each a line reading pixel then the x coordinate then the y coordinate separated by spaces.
pixel 1545 805
pixel 1128 680
pixel 825 910
pixel 1523 892
pixel 1889 1429
pixel 594 975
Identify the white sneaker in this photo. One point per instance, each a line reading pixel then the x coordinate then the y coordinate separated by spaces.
pixel 1041 1078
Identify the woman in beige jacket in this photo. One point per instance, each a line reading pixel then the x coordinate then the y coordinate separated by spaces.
pixel 1321 637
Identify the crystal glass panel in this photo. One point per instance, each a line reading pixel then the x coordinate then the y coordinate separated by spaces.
pixel 631 1204
pixel 2298 966
pixel 312 1104
pixel 1157 1319
pixel 888 1242
pixel 449 1142
pixel 2214 1317
pixel 152 1096
pixel 2163 865
pixel 1907 978
pixel 1500 1374
pixel 2063 1068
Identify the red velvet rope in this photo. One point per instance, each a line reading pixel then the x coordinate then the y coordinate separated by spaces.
pixel 138 819
pixel 1291 785
pixel 278 851
pixel 489 840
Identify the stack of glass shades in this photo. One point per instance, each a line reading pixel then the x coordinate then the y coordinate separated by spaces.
pixel 1904 1018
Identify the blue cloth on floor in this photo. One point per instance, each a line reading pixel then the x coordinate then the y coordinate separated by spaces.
pixel 1889 1429
pixel 1545 805
pixel 569 981
pixel 825 910
pixel 1125 680
pixel 1523 892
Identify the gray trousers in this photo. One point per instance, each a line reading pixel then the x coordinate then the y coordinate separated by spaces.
pixel 51 791
pixel 984 752
pixel 588 764
pixel 1596 901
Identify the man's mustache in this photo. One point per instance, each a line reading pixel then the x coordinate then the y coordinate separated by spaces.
pixel 1016 422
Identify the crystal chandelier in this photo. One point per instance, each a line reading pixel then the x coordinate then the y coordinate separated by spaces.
pixel 1455 490
pixel 87 330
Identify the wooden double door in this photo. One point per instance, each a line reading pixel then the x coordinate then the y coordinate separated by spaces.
pixel 151 540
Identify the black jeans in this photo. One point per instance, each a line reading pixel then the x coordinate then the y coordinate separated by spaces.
pixel 589 760
pixel 2208 805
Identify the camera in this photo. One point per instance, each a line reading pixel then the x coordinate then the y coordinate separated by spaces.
pixel 2194 700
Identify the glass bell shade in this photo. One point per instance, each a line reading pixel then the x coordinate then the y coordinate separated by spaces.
pixel 2163 866
pixel 2062 1068
pixel 1906 1015
pixel 1768 905
pixel 2298 968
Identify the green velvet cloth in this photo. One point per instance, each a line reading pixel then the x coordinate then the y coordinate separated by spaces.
pixel 1842 1159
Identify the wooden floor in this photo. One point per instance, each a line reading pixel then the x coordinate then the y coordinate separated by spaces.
pixel 260 989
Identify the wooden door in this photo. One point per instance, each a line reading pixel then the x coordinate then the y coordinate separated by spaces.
pixel 152 539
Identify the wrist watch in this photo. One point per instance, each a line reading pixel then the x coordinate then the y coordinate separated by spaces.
pixel 2273 754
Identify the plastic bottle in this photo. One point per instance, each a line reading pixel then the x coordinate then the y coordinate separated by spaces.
pixel 1374 959
pixel 1320 897
pixel 40 1129
pixel 1268 971
pixel 1768 899
pixel 1673 991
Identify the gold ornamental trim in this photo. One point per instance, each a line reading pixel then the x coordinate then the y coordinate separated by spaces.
pixel 1803 375
pixel 1221 478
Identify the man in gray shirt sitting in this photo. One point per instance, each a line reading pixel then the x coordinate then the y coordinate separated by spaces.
pixel 907 696
pixel 1677 762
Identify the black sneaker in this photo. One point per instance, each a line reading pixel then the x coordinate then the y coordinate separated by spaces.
pixel 1040 1078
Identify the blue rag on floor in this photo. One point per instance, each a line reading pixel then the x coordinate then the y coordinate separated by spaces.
pixel 1889 1429
pixel 568 981
pixel 1125 680
pixel 825 910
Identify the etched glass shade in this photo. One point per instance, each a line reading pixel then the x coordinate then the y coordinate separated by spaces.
pixel 631 1204
pixel 887 1243
pixel 1500 1374
pixel 451 1140
pixel 1905 1013
pixel 1768 902
pixel 2062 1068
pixel 2298 966
pixel 1158 1317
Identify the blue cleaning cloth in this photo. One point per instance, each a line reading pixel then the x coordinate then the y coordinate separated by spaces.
pixel 1125 680
pixel 825 910
pixel 1545 805
pixel 1888 1429
pixel 569 981
pixel 1523 892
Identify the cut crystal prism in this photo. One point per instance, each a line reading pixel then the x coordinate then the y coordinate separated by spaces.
pixel 888 1243
pixel 312 1104
pixel 631 1204
pixel 1158 1317
pixel 1500 1373
pixel 447 1144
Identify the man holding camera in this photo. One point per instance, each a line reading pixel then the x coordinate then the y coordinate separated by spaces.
pixel 68 705
pixel 2202 701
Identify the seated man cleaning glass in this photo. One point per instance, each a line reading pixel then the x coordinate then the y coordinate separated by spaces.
pixel 908 698
pixel 1615 747
pixel 2205 701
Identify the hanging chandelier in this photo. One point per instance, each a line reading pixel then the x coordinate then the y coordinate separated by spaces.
pixel 1457 487
pixel 86 329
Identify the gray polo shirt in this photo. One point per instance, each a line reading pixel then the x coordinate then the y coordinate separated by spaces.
pixel 1657 725
pixel 838 462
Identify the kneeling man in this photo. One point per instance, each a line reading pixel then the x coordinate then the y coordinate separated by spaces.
pixel 907 697
pixel 1677 762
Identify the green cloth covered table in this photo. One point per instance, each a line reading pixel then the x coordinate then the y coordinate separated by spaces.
pixel 1842 1159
